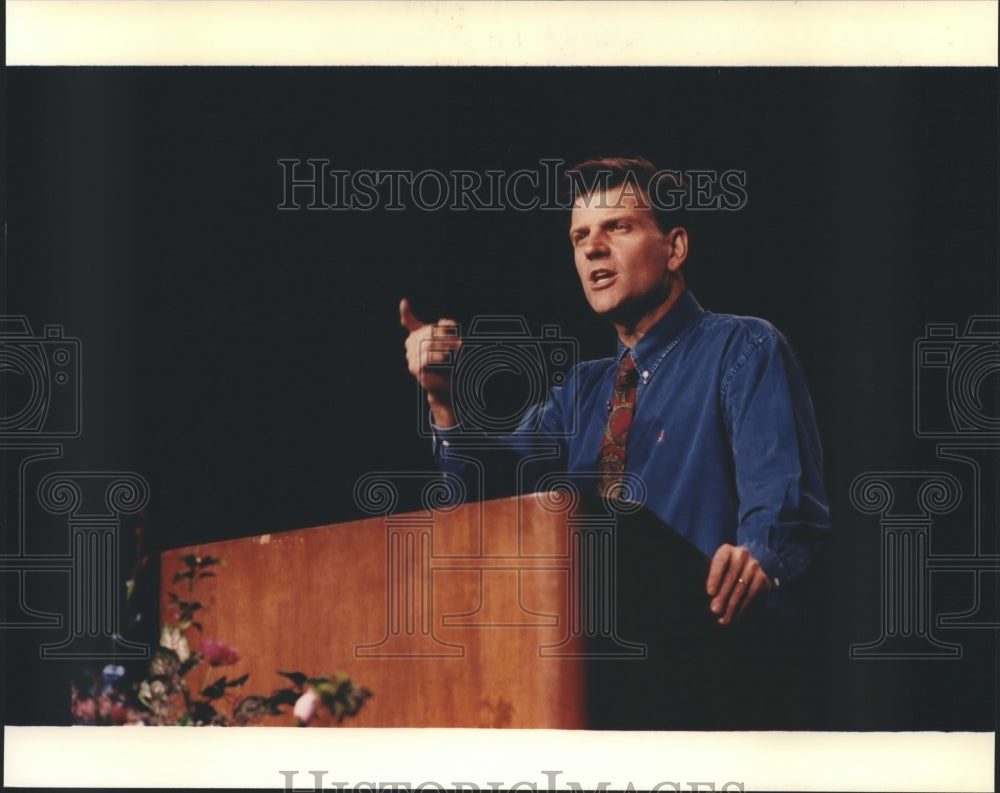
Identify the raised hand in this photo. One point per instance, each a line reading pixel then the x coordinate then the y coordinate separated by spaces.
pixel 430 357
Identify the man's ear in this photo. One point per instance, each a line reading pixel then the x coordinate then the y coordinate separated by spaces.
pixel 676 242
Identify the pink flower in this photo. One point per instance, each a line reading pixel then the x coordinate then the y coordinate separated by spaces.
pixel 85 710
pixel 120 714
pixel 305 708
pixel 218 654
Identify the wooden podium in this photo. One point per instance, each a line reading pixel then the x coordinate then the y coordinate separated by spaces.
pixel 543 611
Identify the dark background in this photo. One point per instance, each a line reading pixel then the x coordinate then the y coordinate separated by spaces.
pixel 248 362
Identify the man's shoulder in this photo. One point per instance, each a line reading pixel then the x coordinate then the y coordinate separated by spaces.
pixel 746 348
pixel 736 323
pixel 689 321
pixel 735 333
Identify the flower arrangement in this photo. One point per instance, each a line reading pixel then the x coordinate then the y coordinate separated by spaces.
pixel 166 695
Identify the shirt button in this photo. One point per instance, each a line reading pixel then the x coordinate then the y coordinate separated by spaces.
pixel 645 374
pixel 446 444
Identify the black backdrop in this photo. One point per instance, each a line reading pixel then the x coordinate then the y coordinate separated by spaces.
pixel 248 361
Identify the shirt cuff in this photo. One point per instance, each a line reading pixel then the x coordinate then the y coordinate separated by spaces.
pixel 441 437
pixel 777 568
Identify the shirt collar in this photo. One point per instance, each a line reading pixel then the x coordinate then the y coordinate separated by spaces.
pixel 661 338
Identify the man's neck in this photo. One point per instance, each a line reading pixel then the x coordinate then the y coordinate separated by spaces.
pixel 630 334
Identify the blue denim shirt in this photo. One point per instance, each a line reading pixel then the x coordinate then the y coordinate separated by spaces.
pixel 723 436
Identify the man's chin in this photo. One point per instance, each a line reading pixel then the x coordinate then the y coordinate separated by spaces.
pixel 614 307
pixel 604 305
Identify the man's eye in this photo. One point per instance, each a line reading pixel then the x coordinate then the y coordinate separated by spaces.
pixel 620 227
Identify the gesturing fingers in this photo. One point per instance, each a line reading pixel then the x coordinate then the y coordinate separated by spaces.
pixel 444 343
pixel 432 345
pixel 406 316
pixel 430 353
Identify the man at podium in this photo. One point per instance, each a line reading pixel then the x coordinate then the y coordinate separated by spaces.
pixel 708 412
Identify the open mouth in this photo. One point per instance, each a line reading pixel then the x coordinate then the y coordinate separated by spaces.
pixel 602 278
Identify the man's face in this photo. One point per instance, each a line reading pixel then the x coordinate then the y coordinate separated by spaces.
pixel 626 264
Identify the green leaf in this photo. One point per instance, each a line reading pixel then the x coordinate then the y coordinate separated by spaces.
pixel 193 660
pixel 284 696
pixel 206 575
pixel 216 690
pixel 197 625
pixel 238 681
pixel 209 561
pixel 203 713
pixel 297 678
pixel 186 613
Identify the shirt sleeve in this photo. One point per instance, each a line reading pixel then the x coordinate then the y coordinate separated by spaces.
pixel 783 512
pixel 492 465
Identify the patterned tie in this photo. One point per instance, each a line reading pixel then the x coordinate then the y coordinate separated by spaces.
pixel 611 459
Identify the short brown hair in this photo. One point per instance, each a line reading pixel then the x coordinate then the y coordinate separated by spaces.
pixel 603 173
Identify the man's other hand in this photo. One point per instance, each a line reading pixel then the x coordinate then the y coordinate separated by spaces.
pixel 735 580
pixel 430 356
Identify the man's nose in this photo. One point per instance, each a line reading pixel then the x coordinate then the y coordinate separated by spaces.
pixel 596 246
